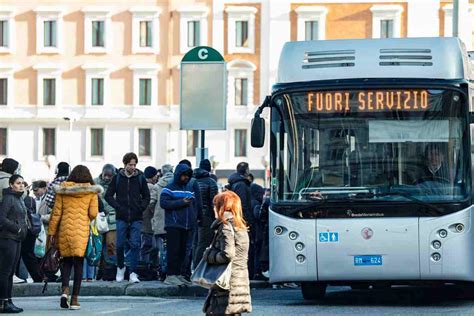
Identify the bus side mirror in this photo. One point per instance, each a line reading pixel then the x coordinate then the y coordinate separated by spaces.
pixel 257 133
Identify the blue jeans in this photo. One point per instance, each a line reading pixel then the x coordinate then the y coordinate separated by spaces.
pixel 88 272
pixel 128 233
pixel 160 243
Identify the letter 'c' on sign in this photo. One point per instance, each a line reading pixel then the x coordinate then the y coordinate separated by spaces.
pixel 203 54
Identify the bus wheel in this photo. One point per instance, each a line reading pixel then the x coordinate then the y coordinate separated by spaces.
pixel 360 286
pixel 313 290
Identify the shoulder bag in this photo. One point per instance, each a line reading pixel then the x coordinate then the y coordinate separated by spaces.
pixel 213 276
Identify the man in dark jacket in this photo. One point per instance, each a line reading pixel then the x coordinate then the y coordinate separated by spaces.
pixel 180 221
pixel 208 189
pixel 240 184
pixel 128 194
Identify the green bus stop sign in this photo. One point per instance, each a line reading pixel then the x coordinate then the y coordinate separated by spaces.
pixel 202 54
pixel 203 77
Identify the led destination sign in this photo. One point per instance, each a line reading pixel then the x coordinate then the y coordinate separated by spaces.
pixel 367 101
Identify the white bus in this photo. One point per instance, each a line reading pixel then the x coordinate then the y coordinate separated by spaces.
pixel 370 163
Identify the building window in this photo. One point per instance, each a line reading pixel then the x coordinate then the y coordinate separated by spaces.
pixel 3 33
pixel 97 142
pixel 3 91
pixel 386 28
pixel 144 142
pixel 241 33
pixel 98 34
pixel 145 91
pixel 146 34
pixel 192 138
pixel 3 141
pixel 49 91
pixel 194 33
pixel 97 91
pixel 240 143
pixel 50 34
pixel 386 21
pixel 311 31
pixel 241 88
pixel 49 141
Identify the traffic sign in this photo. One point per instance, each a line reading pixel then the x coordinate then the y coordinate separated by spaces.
pixel 203 90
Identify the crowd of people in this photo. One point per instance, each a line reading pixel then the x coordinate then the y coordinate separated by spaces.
pixel 160 223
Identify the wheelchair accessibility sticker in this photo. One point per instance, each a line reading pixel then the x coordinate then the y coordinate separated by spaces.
pixel 329 237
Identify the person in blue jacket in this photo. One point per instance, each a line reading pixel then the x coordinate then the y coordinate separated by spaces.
pixel 181 216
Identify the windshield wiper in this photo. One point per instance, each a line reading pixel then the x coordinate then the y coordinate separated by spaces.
pixel 402 194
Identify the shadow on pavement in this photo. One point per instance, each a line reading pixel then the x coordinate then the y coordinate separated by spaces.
pixel 398 296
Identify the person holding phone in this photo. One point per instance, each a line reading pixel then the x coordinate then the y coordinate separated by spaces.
pixel 180 222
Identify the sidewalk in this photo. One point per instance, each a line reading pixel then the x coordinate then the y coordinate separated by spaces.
pixel 102 288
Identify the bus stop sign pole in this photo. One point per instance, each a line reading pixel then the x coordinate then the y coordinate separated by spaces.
pixel 203 79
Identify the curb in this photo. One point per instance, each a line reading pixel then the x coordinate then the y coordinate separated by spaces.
pixel 103 288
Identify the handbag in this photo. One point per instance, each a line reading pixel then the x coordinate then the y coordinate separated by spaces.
pixel 50 262
pixel 94 247
pixel 213 276
pixel 101 223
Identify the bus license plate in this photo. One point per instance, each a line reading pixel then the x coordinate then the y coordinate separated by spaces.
pixel 368 260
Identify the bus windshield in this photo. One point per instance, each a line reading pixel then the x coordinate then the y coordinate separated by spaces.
pixel 370 143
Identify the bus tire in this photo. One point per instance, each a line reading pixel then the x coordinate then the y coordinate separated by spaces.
pixel 313 290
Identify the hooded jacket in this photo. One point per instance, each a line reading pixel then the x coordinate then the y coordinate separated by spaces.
pixel 75 206
pixel 108 209
pixel 13 213
pixel 208 189
pixel 241 186
pixel 178 214
pixel 158 220
pixel 129 197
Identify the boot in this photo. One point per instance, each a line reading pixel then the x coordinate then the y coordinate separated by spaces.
pixel 11 302
pixel 75 303
pixel 64 303
pixel 8 308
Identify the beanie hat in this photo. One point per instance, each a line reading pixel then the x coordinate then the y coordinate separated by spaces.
pixel 9 165
pixel 186 162
pixel 63 168
pixel 150 172
pixel 205 164
pixel 167 168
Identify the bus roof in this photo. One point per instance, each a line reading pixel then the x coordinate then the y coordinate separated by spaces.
pixel 424 58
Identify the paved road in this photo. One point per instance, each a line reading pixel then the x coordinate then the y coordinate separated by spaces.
pixel 339 301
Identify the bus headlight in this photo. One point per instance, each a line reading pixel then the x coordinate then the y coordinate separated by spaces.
pixel 293 235
pixel 278 230
pixel 459 228
pixel 300 258
pixel 443 233
pixel 436 257
pixel 436 244
pixel 299 246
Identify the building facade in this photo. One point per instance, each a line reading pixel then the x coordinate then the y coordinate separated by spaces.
pixel 87 81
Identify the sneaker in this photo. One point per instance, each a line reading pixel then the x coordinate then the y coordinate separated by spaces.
pixel 64 303
pixel 184 280
pixel 120 274
pixel 75 304
pixel 29 280
pixel 173 280
pixel 17 280
pixel 134 278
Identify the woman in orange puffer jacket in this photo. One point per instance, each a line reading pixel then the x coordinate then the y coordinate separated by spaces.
pixel 75 206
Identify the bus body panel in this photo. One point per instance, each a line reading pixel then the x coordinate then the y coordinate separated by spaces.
pixel 392 245
pixel 405 245
pixel 457 253
pixel 283 264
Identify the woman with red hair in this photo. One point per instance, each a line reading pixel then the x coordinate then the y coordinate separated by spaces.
pixel 231 244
